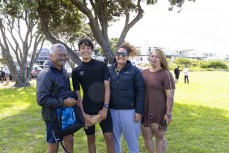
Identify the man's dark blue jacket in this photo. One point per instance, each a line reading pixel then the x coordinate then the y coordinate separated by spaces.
pixel 127 88
pixel 53 87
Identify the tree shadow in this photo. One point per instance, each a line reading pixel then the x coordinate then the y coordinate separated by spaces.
pixel 194 128
pixel 22 127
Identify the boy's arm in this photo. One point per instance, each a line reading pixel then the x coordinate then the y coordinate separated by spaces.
pixel 103 112
pixel 87 118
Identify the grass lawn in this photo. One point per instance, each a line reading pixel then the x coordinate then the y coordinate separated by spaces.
pixel 200 119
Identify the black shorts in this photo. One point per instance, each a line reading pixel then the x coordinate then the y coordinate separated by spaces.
pixel 106 126
pixel 177 76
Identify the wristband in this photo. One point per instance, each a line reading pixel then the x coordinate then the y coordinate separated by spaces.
pixel 106 105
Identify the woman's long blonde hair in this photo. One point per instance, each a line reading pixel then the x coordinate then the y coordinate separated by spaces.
pixel 162 57
pixel 164 63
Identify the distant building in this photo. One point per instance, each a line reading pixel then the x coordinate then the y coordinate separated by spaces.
pixel 42 56
pixel 145 49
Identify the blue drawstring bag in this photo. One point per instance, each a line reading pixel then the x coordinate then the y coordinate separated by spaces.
pixel 68 121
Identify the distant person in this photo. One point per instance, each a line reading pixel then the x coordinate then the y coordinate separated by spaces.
pixel 93 77
pixel 2 76
pixel 53 91
pixel 158 104
pixel 177 73
pixel 7 75
pixel 186 71
pixel 127 98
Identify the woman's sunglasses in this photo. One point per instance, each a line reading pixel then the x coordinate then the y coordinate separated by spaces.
pixel 119 54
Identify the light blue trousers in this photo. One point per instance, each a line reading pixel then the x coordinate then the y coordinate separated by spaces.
pixel 123 123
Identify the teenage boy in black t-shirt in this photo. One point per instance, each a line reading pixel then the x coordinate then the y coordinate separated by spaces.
pixel 93 76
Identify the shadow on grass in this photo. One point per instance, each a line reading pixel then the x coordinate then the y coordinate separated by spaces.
pixel 194 128
pixel 198 129
pixel 21 124
pixel 22 128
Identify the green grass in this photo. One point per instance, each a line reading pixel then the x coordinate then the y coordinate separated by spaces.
pixel 200 119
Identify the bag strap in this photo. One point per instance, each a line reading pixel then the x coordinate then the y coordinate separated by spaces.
pixel 60 124
pixel 64 147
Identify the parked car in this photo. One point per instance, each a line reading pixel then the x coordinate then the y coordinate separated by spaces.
pixel 35 70
pixel 69 71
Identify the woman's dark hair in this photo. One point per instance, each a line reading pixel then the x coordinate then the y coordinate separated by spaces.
pixel 86 42
pixel 131 50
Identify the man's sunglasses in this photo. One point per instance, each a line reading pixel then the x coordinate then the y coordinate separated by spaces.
pixel 119 54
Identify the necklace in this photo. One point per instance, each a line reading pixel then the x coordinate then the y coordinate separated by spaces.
pixel 119 68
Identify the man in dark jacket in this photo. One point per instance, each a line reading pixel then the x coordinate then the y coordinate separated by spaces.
pixel 177 73
pixel 53 91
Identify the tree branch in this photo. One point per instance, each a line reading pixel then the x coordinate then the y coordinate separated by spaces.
pixel 128 25
pixel 44 26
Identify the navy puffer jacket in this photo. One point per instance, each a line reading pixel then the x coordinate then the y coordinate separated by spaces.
pixel 127 88
pixel 53 87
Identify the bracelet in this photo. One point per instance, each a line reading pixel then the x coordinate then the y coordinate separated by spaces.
pixel 106 105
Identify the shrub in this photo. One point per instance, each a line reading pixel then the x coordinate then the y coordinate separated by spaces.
pixel 215 64
pixel 183 61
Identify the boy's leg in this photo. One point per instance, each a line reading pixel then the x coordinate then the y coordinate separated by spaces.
pixel 107 128
pixel 90 132
pixel 91 143
pixel 109 142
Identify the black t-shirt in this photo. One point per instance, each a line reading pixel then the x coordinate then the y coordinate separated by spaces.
pixel 91 75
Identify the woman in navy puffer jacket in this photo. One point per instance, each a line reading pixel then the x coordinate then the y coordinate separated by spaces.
pixel 126 100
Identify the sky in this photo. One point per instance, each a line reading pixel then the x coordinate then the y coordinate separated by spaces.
pixel 202 25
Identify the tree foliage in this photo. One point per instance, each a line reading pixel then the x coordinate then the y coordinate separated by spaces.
pixel 99 16
pixel 19 35
pixel 62 22
pixel 66 21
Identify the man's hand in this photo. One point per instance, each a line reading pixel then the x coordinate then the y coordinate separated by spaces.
pixel 69 102
pixel 103 113
pixel 79 101
pixel 137 117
